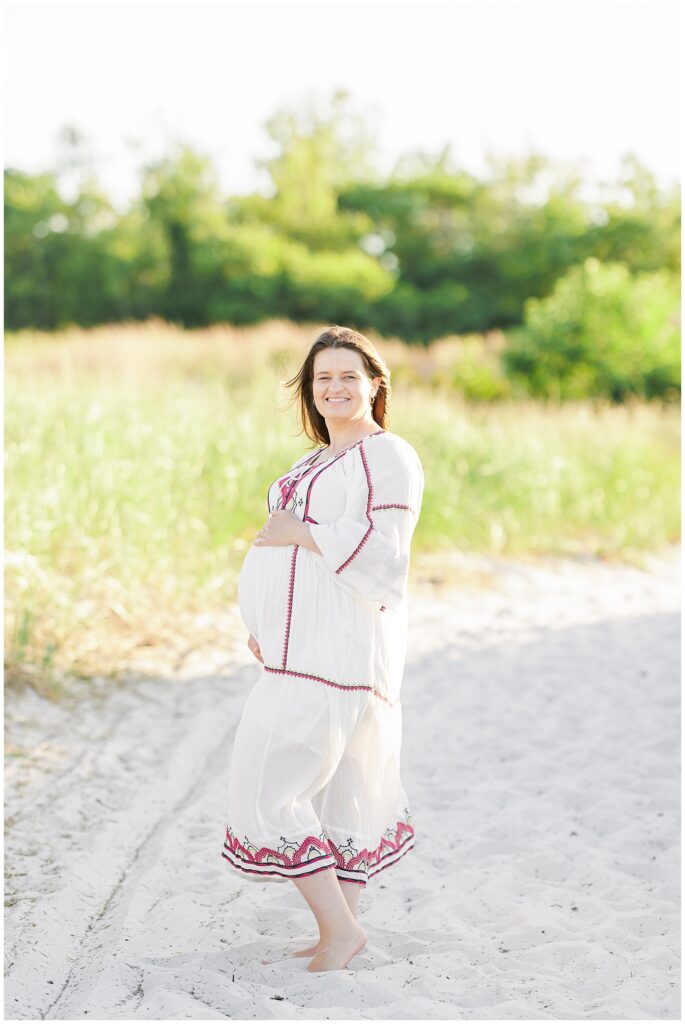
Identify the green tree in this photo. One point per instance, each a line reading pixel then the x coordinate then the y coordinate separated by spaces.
pixel 181 194
pixel 319 154
pixel 602 332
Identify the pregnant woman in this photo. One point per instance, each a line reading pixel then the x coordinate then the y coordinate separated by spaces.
pixel 315 793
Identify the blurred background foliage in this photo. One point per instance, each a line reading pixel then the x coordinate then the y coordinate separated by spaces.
pixel 530 320
pixel 582 279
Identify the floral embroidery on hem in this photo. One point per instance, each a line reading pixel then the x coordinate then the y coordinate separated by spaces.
pixel 315 853
pixel 364 862
pixel 287 854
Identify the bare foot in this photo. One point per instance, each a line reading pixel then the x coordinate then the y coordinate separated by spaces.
pixel 309 951
pixel 337 955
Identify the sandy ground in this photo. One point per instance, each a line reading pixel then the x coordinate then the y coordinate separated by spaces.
pixel 541 759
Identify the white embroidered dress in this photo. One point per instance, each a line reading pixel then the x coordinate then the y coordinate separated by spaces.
pixel 315 768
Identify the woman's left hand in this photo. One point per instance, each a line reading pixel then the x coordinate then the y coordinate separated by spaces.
pixel 282 527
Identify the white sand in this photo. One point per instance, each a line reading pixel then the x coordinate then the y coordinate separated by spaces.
pixel 541 744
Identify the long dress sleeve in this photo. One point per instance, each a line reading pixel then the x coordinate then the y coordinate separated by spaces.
pixel 368 548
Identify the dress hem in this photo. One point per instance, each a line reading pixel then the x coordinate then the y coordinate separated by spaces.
pixel 343 859
pixel 343 876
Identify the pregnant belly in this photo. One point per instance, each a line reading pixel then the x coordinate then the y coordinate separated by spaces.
pixel 263 596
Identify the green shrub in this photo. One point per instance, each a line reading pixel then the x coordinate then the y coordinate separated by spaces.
pixel 601 332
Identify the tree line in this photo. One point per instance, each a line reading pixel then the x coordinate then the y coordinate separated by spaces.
pixel 426 251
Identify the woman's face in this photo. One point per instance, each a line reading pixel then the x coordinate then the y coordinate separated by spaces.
pixel 341 387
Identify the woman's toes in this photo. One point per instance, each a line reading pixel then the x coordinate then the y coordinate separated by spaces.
pixel 337 955
pixel 309 951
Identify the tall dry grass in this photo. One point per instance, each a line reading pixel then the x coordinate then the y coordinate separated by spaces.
pixel 138 458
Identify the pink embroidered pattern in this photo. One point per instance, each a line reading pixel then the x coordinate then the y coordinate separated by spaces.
pixel 377 508
pixel 329 682
pixel 294 858
pixel 369 499
pixel 290 856
pixel 287 484
pixel 286 492
pixel 395 843
pixel 291 583
pixel 369 509
pixel 289 613
pixel 356 444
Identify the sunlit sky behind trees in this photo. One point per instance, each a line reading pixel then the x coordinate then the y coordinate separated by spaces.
pixel 580 81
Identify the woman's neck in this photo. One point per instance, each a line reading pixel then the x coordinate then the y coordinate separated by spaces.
pixel 342 437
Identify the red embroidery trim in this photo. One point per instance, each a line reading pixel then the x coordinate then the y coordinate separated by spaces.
pixel 369 499
pixel 330 463
pixel 348 858
pixel 377 508
pixel 270 874
pixel 361 881
pixel 291 584
pixel 258 856
pixel 406 849
pixel 369 509
pixel 390 844
pixel 291 589
pixel 286 478
pixel 279 480
pixel 329 682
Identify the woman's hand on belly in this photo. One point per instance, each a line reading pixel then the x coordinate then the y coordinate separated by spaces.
pixel 283 527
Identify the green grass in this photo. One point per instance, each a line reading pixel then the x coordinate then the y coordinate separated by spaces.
pixel 138 459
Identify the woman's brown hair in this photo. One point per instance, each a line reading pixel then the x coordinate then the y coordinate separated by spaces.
pixel 313 423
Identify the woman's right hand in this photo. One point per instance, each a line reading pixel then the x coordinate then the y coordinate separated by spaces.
pixel 254 647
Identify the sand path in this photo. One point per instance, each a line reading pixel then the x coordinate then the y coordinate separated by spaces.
pixel 541 759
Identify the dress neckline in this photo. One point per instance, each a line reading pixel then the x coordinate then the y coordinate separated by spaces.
pixel 346 448
pixel 295 476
